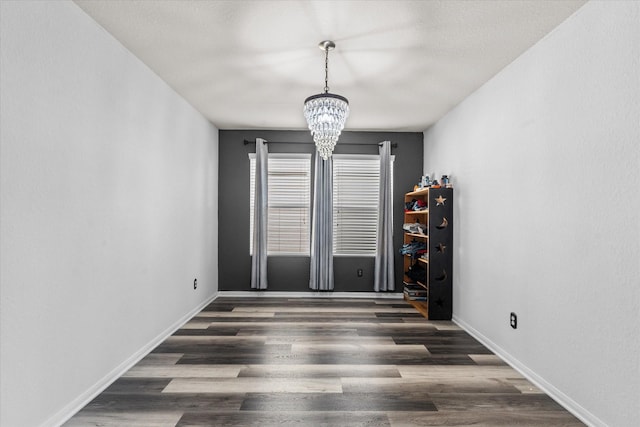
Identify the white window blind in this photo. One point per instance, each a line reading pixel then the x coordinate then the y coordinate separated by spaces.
pixel 356 181
pixel 289 190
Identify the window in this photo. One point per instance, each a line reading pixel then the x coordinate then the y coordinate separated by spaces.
pixel 356 182
pixel 289 189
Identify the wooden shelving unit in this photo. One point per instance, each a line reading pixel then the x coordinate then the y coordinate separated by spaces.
pixel 428 270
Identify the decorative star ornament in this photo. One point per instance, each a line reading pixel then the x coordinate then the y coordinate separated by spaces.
pixel 440 247
pixel 440 200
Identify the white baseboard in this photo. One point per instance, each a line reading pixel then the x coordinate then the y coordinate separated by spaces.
pixel 81 401
pixel 310 294
pixel 565 401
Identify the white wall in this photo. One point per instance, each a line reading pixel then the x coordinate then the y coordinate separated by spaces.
pixel 545 158
pixel 108 210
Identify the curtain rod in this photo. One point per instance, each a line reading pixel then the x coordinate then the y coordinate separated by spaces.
pixel 246 141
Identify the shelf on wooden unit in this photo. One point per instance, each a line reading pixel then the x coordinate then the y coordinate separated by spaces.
pixel 422 212
pixel 404 282
pixel 420 192
pixel 422 260
pixel 417 235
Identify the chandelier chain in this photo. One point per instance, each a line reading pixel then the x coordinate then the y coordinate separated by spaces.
pixel 326 70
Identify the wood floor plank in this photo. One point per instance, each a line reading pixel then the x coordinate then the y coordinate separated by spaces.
pixel 320 371
pixel 206 314
pixel 487 359
pixel 138 385
pixel 184 371
pixel 284 419
pixel 376 324
pixel 216 340
pixel 320 362
pixel 327 310
pixel 366 316
pixel 457 349
pixel 210 330
pixel 523 385
pixel 357 348
pixel 470 371
pixel 448 385
pixel 329 402
pixel 298 331
pixel 223 348
pixel 494 401
pixel 125 418
pixel 197 324
pixel 254 385
pixel 328 339
pixel 447 326
pixel 159 402
pixel 401 315
pixel 310 318
pixel 162 359
pixel 495 418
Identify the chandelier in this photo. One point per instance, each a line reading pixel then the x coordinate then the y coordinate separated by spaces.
pixel 326 112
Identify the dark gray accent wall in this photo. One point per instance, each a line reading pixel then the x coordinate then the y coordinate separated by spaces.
pixel 288 273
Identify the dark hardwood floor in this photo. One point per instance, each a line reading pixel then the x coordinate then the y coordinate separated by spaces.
pixel 320 362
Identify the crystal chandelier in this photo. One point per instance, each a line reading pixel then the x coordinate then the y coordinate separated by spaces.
pixel 326 112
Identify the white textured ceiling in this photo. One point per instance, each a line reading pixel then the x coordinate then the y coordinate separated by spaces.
pixel 401 64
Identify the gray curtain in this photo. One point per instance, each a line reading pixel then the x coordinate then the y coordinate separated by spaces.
pixel 321 271
pixel 384 279
pixel 260 215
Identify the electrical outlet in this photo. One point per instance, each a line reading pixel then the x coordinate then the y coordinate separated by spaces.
pixel 195 283
pixel 360 272
pixel 513 320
